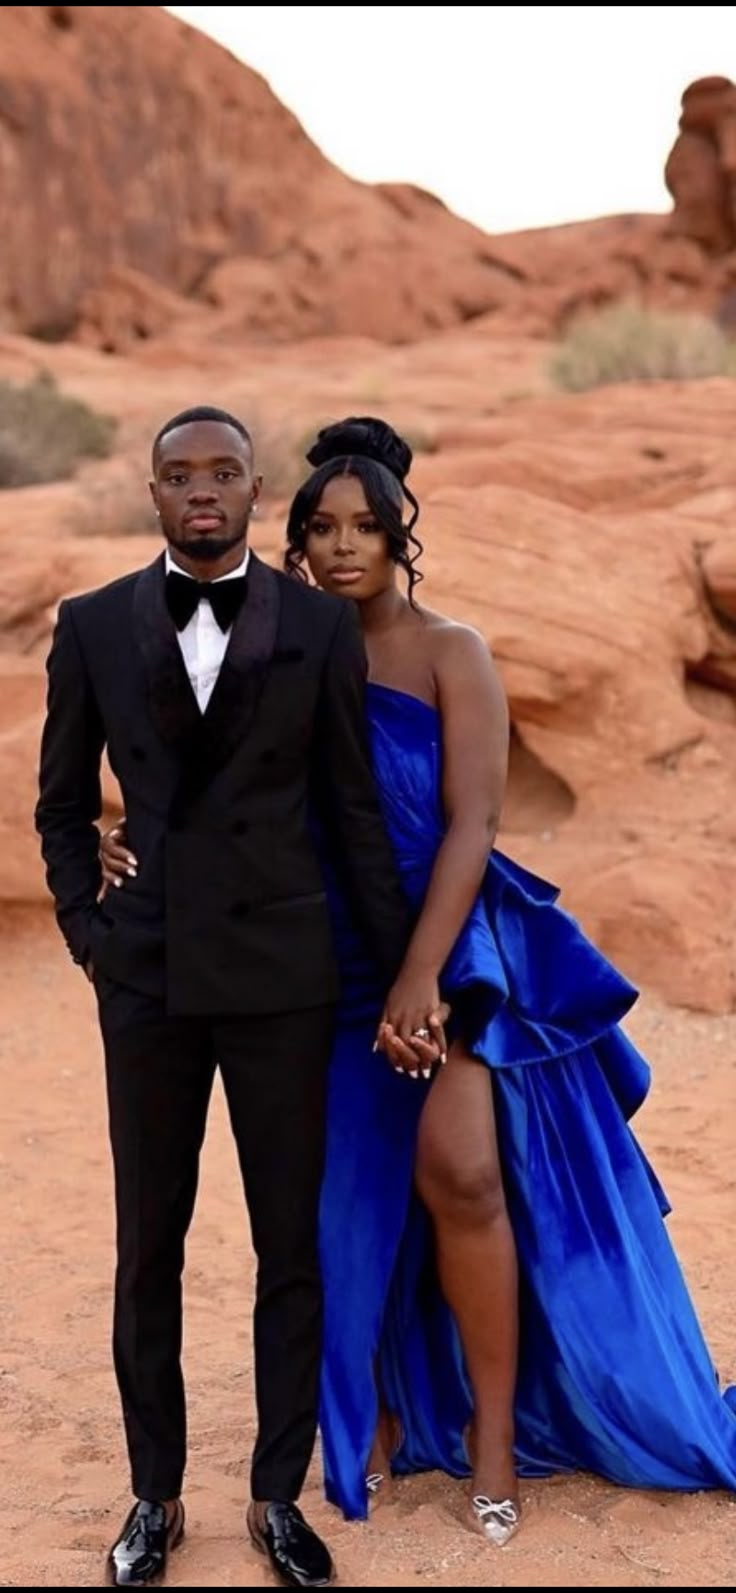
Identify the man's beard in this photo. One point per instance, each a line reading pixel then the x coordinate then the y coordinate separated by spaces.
pixel 207 549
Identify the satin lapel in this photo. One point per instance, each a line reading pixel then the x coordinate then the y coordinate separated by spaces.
pixel 234 700
pixel 172 702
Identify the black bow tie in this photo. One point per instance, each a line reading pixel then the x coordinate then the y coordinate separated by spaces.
pixel 183 595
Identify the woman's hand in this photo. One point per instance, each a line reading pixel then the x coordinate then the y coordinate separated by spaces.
pixel 117 861
pixel 411 1032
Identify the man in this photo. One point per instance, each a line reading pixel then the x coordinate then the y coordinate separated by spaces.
pixel 220 689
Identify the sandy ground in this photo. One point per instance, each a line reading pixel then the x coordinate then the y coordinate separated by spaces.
pixel 63 1483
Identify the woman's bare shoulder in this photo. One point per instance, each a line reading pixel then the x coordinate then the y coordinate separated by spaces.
pixel 454 645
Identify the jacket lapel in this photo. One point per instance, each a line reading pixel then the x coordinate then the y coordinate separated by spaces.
pixel 172 703
pixel 236 694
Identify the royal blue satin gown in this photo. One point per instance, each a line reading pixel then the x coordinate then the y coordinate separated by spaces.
pixel 614 1374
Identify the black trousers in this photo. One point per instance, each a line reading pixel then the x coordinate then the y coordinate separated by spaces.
pixel 159 1078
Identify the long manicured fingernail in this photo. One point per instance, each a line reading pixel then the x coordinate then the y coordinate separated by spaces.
pixel 426 1073
pixel 413 1073
pixel 443 1059
pixel 374 1046
pixel 397 1070
pixel 117 882
pixel 132 873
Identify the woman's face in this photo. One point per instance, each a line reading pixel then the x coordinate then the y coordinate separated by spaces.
pixel 346 550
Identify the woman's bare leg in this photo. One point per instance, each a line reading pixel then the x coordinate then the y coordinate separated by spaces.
pixel 459 1180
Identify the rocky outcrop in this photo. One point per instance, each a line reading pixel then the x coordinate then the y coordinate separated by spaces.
pixel 701 168
pixel 150 183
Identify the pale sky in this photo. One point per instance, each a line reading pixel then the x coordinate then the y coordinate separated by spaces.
pixel 516 116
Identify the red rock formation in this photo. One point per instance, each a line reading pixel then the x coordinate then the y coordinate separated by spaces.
pixel 701 168
pixel 129 140
pixel 148 180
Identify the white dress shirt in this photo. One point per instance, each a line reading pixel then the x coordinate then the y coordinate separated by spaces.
pixel 203 645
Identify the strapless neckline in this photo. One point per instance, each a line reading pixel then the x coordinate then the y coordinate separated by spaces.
pixel 403 696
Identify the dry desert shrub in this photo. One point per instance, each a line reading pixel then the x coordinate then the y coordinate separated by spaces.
pixel 628 343
pixel 45 433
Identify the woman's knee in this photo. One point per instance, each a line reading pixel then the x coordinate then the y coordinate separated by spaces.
pixel 469 1194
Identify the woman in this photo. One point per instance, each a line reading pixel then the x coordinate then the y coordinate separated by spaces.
pixel 501 1296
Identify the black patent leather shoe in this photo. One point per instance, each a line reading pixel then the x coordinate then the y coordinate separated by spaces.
pixel 141 1551
pixel 297 1555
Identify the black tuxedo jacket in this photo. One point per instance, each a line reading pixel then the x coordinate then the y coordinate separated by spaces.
pixel 228 913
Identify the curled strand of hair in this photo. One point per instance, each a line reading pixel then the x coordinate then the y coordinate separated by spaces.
pixel 414 516
pixel 409 563
pixel 294 563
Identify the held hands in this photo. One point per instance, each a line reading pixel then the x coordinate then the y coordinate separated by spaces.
pixel 411 1032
